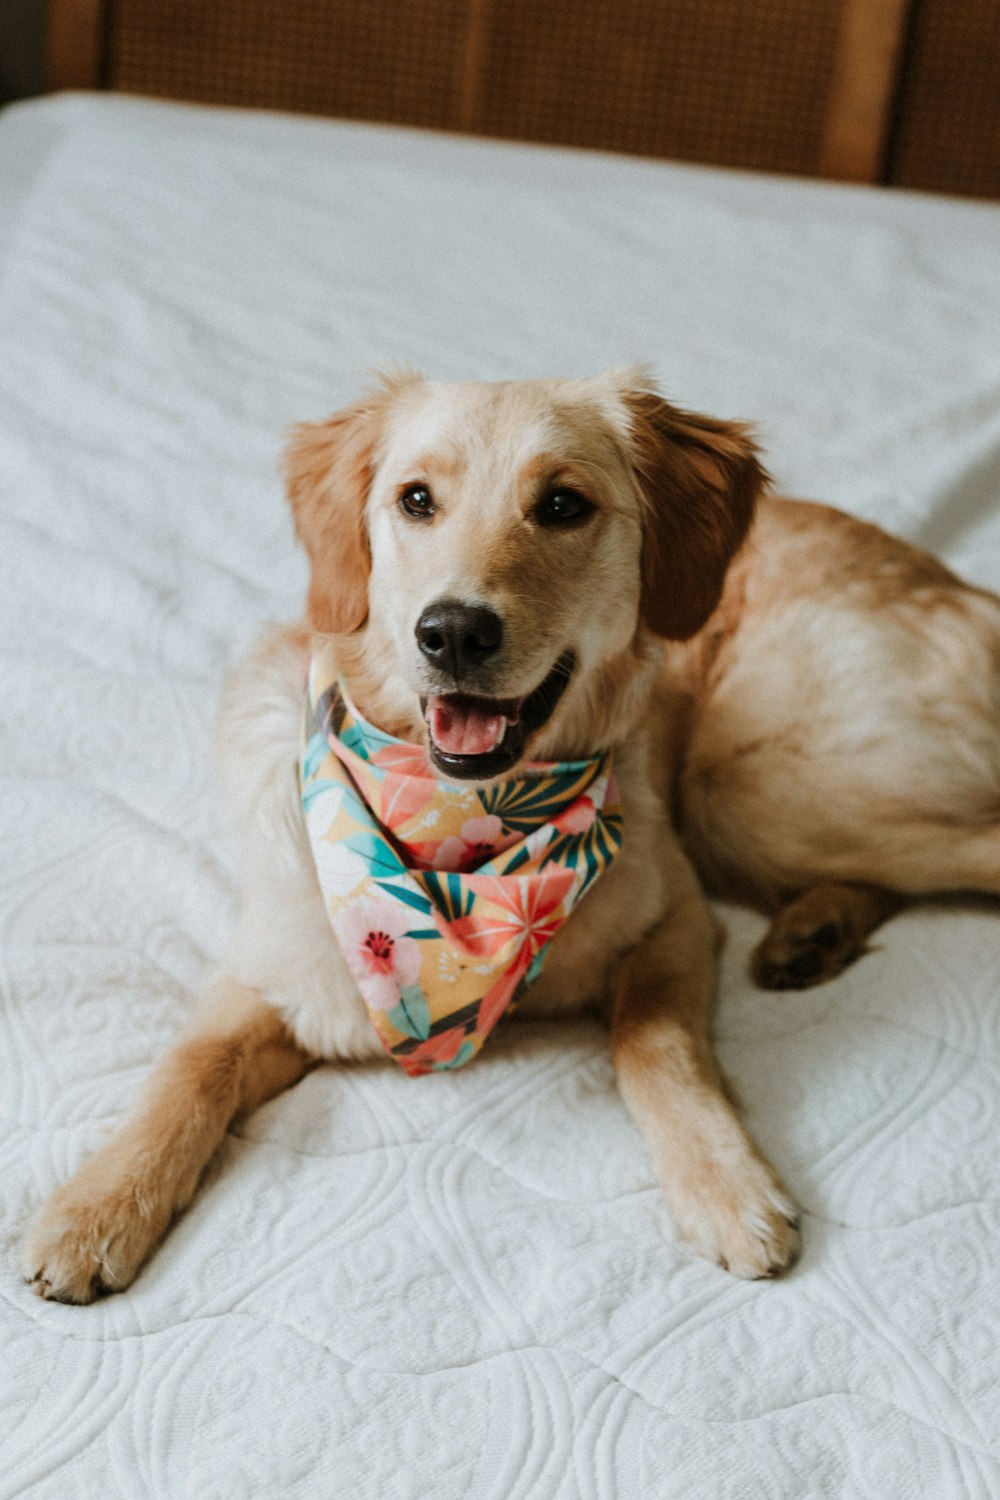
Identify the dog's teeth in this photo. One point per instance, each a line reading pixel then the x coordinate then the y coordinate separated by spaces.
pixel 502 734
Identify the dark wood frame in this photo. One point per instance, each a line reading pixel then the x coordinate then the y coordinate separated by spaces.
pixel 866 77
pixel 75 44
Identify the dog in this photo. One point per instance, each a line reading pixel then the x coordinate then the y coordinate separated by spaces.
pixel 800 711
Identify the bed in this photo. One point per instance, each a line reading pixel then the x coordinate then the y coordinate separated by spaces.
pixel 462 1286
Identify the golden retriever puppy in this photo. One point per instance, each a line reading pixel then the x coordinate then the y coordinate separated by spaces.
pixel 796 708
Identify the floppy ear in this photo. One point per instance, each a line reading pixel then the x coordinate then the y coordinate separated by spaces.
pixel 328 469
pixel 701 480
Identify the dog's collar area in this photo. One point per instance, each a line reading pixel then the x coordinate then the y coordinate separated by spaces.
pixel 443 896
pixel 474 738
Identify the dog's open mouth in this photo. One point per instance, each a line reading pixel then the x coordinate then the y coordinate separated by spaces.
pixel 474 738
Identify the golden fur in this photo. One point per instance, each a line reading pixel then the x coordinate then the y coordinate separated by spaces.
pixel 813 726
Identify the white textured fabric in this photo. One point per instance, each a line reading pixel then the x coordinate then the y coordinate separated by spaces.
pixel 460 1286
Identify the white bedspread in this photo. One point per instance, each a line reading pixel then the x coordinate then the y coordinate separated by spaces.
pixel 462 1286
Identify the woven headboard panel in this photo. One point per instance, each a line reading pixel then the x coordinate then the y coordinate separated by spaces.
pixel 738 81
pixel 808 86
pixel 393 60
pixel 948 131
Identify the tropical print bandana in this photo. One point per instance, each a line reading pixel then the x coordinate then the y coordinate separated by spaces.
pixel 443 898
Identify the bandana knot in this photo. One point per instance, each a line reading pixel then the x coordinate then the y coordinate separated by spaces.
pixel 443 897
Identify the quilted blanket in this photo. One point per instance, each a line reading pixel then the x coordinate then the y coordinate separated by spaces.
pixel 460 1287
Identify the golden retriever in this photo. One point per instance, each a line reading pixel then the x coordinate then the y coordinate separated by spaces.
pixel 801 711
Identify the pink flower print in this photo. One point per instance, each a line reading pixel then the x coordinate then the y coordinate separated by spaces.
pixel 578 817
pixel 381 957
pixel 402 798
pixel 497 999
pixel 421 853
pixel 531 913
pixel 478 841
pixel 449 854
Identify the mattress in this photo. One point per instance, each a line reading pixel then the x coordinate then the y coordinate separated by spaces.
pixel 464 1285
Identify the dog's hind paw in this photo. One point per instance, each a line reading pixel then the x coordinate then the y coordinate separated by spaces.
pixel 818 934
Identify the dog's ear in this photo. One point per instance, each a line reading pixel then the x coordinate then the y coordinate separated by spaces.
pixel 700 479
pixel 328 468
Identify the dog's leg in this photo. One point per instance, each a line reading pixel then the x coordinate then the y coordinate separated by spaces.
pixel 96 1231
pixel 724 1197
pixel 820 933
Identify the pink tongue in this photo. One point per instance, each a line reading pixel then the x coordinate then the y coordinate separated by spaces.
pixel 460 728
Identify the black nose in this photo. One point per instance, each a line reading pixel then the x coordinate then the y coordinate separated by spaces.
pixel 458 637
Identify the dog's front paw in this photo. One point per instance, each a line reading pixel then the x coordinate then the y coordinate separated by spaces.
pixel 90 1238
pixel 740 1217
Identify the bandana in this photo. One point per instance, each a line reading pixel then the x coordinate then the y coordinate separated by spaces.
pixel 443 898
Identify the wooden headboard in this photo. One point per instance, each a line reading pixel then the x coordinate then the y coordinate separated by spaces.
pixel 860 90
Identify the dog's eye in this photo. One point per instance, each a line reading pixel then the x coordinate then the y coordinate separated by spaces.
pixel 563 507
pixel 417 501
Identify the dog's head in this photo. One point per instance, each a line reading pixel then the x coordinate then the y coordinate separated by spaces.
pixel 495 560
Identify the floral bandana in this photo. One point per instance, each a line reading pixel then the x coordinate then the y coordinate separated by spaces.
pixel 443 897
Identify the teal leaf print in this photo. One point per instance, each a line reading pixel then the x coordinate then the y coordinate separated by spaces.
pixel 449 893
pixel 525 804
pixel 347 798
pixel 351 737
pixel 316 788
pixel 363 738
pixel 518 858
pixel 382 858
pixel 354 805
pixel 412 1015
pixel 314 755
pixel 412 898
pixel 537 965
pixel 594 849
